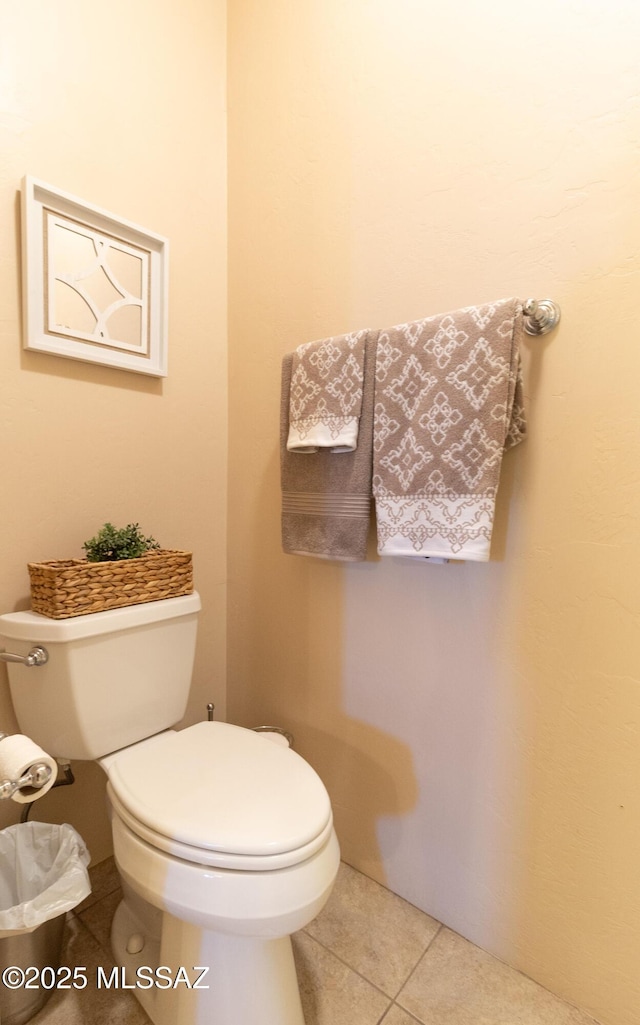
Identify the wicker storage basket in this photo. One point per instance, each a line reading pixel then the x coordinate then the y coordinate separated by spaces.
pixel 75 587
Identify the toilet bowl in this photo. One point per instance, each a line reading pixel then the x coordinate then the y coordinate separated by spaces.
pixel 232 840
pixel 224 841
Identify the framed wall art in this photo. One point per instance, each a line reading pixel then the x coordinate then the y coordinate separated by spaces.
pixel 95 287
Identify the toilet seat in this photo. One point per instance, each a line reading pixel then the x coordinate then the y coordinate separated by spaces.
pixel 219 795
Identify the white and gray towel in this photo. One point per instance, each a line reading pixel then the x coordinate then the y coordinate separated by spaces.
pixel 325 398
pixel 420 415
pixel 448 402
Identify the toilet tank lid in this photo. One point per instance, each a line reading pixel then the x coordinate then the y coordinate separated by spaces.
pixel 32 626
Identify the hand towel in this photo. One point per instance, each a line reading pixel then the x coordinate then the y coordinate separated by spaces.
pixel 326 498
pixel 326 394
pixel 448 403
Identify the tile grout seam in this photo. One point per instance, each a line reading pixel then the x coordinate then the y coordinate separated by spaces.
pixel 415 967
pixel 368 981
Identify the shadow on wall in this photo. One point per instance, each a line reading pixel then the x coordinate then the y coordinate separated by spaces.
pixel 364 665
pixel 287 669
pixel 369 775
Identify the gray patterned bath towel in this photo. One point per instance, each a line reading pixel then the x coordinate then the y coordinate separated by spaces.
pixel 448 403
pixel 326 496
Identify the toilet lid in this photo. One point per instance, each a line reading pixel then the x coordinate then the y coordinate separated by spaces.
pixel 221 788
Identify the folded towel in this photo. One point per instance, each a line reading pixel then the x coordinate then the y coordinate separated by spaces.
pixel 326 499
pixel 326 394
pixel 448 403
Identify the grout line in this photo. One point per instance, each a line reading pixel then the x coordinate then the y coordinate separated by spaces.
pixel 350 967
pixel 364 977
pixel 418 1021
pixel 384 1013
pixel 96 939
pixel 418 962
pixel 432 940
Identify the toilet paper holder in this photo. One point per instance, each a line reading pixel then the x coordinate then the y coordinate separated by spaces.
pixel 37 776
pixel 38 656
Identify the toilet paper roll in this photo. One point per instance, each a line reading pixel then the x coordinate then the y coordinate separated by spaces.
pixel 17 756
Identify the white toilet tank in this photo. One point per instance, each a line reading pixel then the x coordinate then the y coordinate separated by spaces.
pixel 112 678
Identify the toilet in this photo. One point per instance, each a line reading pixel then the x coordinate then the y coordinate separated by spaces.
pixel 223 840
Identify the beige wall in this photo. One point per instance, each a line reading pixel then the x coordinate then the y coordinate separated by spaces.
pixel 121 104
pixel 478 725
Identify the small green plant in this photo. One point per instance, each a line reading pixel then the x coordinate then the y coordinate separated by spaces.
pixel 111 543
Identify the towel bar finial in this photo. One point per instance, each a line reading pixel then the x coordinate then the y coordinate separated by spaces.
pixel 540 316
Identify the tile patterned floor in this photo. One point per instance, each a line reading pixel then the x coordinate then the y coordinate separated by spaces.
pixel 370 958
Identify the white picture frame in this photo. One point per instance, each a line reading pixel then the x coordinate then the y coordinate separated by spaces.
pixel 95 287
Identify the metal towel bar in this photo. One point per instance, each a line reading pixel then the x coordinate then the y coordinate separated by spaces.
pixel 540 316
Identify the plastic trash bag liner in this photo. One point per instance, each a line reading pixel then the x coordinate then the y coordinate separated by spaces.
pixel 43 873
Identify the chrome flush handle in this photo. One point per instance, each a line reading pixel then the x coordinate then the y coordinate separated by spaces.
pixel 38 656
